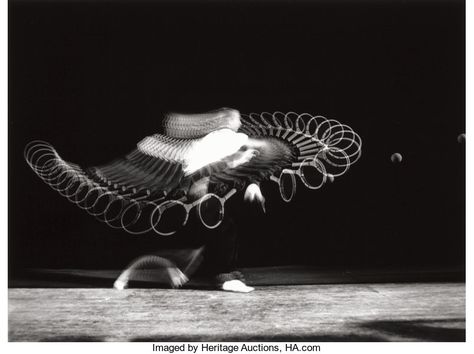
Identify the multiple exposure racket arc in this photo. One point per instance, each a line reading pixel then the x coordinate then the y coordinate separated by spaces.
pixel 325 148
pixel 149 193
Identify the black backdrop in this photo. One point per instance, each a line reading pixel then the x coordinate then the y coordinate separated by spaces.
pixel 93 78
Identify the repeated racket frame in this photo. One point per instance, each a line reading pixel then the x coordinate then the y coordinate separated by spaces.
pixel 325 149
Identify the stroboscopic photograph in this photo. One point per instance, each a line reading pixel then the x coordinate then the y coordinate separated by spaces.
pixel 236 171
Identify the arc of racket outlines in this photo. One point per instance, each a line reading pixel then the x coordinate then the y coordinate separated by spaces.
pixel 134 193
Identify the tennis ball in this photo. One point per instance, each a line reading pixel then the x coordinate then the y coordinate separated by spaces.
pixel 396 158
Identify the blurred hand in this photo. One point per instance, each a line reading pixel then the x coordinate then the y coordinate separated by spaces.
pixel 177 277
pixel 253 193
pixel 244 157
pixel 199 188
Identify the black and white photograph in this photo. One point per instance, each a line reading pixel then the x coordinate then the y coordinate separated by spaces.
pixel 272 174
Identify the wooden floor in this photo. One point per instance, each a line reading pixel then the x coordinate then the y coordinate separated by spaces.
pixel 324 312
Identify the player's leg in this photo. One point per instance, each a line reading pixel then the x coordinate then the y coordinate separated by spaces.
pixel 221 254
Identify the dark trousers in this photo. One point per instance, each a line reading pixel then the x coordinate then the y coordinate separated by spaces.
pixel 220 253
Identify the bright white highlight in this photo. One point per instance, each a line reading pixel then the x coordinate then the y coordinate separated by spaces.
pixel 213 147
pixel 253 193
pixel 236 286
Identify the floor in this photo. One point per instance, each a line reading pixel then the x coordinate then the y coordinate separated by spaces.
pixel 429 311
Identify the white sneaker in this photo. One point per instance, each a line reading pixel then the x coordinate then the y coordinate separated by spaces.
pixel 236 286
pixel 120 284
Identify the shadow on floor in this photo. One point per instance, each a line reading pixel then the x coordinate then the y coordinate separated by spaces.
pixel 435 330
pixel 442 330
pixel 261 338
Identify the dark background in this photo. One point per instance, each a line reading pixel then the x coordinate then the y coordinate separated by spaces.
pixel 94 78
